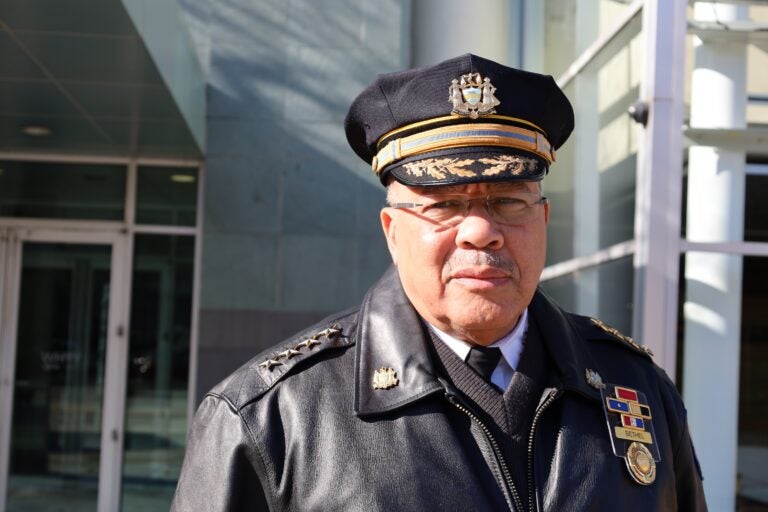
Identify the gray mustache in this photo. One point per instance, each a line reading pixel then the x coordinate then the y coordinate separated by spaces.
pixel 466 259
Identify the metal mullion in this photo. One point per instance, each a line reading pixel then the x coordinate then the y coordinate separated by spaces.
pixel 165 230
pixel 573 265
pixel 592 52
pixel 735 248
pixel 194 338
pixel 90 159
pixel 8 329
pixel 74 225
pixel 116 372
pixel 659 181
pixel 131 179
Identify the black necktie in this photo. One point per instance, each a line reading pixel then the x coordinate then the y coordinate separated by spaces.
pixel 484 360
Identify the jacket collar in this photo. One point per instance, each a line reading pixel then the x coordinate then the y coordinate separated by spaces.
pixel 567 348
pixel 390 334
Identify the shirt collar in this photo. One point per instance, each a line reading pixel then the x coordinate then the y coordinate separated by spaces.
pixel 511 345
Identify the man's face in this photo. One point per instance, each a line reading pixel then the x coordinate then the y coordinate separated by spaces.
pixel 471 279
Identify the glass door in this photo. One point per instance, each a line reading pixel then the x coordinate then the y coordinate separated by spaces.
pixel 61 345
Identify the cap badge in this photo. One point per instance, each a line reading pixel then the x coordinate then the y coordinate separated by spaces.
pixel 384 378
pixel 472 96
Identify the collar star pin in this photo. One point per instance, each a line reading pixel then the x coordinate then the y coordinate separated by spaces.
pixel 269 363
pixel 288 354
pixel 308 343
pixel 385 378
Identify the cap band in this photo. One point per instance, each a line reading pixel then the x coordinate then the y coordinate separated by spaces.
pixel 464 135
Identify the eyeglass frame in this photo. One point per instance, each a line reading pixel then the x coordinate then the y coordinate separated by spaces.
pixel 467 207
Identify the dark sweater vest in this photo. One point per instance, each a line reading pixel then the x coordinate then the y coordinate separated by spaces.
pixel 509 414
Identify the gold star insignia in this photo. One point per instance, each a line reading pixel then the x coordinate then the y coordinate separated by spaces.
pixel 291 352
pixel 269 363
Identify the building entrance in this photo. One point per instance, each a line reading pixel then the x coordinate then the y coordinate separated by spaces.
pixel 62 369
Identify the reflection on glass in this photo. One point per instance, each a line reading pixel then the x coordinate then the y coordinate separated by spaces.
pixel 604 292
pixel 753 388
pixel 61 344
pixel 756 219
pixel 62 191
pixel 158 370
pixel 166 195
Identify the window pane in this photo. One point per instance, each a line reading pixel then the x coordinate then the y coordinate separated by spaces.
pixel 753 387
pixel 756 209
pixel 166 195
pixel 59 377
pixel 604 292
pixel 592 183
pixel 158 369
pixel 62 191
pixel 570 26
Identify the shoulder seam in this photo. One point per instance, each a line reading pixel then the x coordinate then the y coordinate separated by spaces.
pixel 618 336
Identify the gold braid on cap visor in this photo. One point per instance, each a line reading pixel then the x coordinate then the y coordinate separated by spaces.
pixel 464 135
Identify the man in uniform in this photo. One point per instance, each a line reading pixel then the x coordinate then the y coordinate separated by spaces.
pixel 457 384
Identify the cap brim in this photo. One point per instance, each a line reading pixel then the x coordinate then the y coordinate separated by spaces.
pixel 468 165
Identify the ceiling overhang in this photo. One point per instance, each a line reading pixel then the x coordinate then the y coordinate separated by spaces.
pixel 104 77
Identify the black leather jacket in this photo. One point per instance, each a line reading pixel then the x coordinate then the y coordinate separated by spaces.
pixel 301 427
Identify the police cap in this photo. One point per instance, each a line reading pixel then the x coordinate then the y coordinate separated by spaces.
pixel 467 119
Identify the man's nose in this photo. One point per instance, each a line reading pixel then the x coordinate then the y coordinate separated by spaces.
pixel 478 230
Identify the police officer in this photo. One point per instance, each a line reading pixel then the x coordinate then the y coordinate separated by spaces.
pixel 457 384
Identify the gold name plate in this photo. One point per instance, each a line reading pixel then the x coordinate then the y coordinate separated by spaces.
pixel 633 435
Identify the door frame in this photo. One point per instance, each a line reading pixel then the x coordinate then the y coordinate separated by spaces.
pixel 12 237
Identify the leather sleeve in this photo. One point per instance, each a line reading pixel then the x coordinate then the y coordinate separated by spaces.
pixel 219 470
pixel 688 477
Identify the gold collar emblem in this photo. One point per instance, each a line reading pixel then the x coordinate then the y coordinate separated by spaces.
pixel 472 96
pixel 384 378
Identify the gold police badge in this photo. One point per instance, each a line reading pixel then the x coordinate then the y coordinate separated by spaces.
pixel 640 464
pixel 472 96
pixel 630 426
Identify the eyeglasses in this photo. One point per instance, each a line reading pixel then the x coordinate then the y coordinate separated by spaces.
pixel 507 210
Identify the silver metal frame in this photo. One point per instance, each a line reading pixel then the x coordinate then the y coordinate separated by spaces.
pixel 110 460
pixel 659 181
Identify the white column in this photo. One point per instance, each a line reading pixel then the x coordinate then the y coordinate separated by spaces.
pixel 441 29
pixel 712 309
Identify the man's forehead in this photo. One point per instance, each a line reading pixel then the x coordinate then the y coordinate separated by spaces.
pixel 504 186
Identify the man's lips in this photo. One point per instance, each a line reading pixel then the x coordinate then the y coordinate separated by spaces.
pixel 481 274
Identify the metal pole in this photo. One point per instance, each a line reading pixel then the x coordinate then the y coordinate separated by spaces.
pixel 712 309
pixel 659 180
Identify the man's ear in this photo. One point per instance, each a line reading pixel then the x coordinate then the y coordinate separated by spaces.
pixel 388 224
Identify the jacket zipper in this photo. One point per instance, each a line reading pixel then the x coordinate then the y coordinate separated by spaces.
pixel 496 450
pixel 532 494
